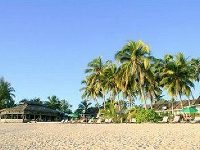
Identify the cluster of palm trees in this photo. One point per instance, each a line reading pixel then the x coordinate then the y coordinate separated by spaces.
pixel 6 94
pixel 52 102
pixel 139 75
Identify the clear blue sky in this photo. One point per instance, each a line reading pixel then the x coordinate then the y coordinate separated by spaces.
pixel 46 45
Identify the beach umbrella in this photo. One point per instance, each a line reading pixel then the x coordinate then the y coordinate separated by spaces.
pixel 73 115
pixel 189 110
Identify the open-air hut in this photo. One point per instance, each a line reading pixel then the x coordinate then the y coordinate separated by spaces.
pixel 29 111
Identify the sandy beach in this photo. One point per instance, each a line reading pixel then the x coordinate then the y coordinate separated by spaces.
pixel 99 136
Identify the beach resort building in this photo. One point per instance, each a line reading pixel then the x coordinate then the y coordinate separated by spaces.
pixel 29 111
pixel 166 106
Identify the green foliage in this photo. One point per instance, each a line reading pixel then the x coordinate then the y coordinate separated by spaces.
pixel 85 108
pixel 53 102
pixel 139 75
pixel 114 111
pixel 6 94
pixel 34 100
pixel 147 115
pixel 65 107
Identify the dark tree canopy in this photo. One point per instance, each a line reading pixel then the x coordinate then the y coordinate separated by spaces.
pixel 6 94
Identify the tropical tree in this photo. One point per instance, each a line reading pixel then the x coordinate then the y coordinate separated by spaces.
pixel 36 100
pixel 6 94
pixel 91 91
pixel 65 106
pixel 83 107
pixel 53 102
pixel 195 69
pixel 94 87
pixel 152 83
pixel 176 77
pixel 136 57
pixel 110 81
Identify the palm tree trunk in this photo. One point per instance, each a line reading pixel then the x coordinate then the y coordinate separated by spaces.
pixel 104 101
pixel 130 100
pixel 192 98
pixel 151 98
pixel 118 100
pixel 181 101
pixel 145 103
pixel 97 104
pixel 143 97
pixel 172 106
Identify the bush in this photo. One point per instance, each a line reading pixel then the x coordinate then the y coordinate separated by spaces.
pixel 148 115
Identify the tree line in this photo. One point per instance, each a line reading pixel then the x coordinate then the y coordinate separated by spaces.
pixel 7 99
pixel 137 74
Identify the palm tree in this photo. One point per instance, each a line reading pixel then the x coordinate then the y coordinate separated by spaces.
pixel 95 79
pixel 136 56
pixel 84 105
pixel 195 68
pixel 127 84
pixel 110 80
pixel 65 106
pixel 53 102
pixel 6 94
pixel 176 76
pixel 152 82
pixel 91 91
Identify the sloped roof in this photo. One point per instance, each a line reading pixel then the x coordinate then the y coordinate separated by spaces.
pixel 177 104
pixel 31 108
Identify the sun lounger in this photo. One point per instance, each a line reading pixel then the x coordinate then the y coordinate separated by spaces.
pixel 82 121
pixel 99 121
pixel 108 120
pixel 133 120
pixel 165 119
pixel 176 119
pixel 196 120
pixel 91 120
pixel 66 121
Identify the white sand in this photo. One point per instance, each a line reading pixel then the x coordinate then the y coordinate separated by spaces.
pixel 99 136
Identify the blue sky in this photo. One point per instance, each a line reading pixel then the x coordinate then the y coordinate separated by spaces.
pixel 46 45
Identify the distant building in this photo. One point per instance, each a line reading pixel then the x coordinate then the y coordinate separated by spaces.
pixel 29 111
pixel 166 106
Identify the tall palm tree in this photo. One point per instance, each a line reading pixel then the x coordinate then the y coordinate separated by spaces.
pixel 90 91
pixel 84 105
pixel 152 82
pixel 176 76
pixel 110 81
pixel 195 68
pixel 127 84
pixel 6 94
pixel 53 102
pixel 136 56
pixel 95 79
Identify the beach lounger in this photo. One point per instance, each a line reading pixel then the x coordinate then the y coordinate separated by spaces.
pixel 133 120
pixel 165 119
pixel 82 121
pixel 99 121
pixel 66 121
pixel 176 119
pixel 196 120
pixel 108 120
pixel 91 121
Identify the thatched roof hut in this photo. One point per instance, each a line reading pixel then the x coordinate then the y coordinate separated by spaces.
pixel 166 105
pixel 30 111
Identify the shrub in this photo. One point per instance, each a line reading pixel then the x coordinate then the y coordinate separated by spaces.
pixel 148 115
